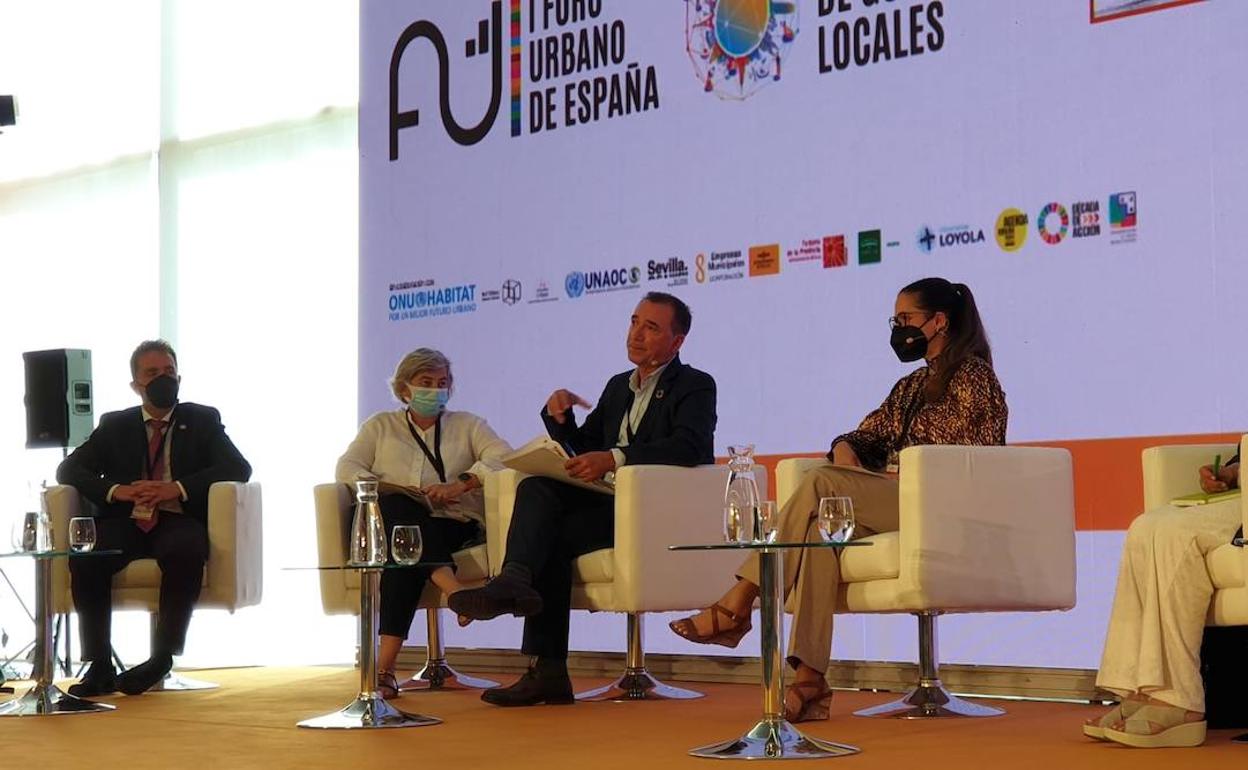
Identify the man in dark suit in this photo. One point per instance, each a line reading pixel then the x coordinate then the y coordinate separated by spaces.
pixel 147 470
pixel 660 413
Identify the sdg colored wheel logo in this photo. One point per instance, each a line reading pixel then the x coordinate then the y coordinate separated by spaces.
pixel 738 46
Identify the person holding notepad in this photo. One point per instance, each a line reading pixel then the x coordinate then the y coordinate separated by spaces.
pixel 661 412
pixel 1152 649
pixel 431 464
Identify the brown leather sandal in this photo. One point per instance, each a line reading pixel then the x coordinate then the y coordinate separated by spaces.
pixel 728 636
pixel 387 685
pixel 807 701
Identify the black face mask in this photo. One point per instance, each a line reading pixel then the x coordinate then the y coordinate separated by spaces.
pixel 162 392
pixel 909 343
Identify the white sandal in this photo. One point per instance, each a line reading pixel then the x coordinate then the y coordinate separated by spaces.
pixel 1176 731
pixel 1119 713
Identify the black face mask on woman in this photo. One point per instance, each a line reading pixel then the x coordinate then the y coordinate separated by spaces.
pixel 909 342
pixel 162 392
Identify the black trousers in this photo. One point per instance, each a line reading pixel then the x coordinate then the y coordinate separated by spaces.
pixel 440 539
pixel 552 524
pixel 178 542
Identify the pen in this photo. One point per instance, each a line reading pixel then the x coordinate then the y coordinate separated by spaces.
pixel 1217 462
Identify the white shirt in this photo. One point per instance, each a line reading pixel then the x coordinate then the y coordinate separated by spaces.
pixel 385 448
pixel 643 390
pixel 173 506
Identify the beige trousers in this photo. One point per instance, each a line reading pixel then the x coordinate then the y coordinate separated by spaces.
pixel 813 576
pixel 1162 599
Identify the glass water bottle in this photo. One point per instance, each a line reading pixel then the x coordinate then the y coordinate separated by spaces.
pixel 368 533
pixel 741 520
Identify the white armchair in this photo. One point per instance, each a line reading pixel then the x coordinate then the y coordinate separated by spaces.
pixel 340 589
pixel 655 506
pixel 1172 471
pixel 233 577
pixel 982 529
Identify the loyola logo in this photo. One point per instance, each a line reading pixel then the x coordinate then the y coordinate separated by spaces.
pixel 489 39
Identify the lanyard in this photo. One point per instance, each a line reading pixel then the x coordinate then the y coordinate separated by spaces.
pixel 150 462
pixel 435 457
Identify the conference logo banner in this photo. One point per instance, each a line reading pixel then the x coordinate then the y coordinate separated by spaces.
pixel 673 272
pixel 719 266
pixel 1087 219
pixel 414 300
pixel 579 70
pixel 834 252
pixel 1011 229
pixel 1052 223
pixel 579 283
pixel 1122 218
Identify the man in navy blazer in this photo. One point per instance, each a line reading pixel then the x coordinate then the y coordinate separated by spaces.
pixel 146 471
pixel 660 413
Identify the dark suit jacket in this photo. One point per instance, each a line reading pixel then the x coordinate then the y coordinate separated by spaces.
pixel 678 427
pixel 200 454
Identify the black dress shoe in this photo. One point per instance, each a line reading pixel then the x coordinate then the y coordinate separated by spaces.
pixel 500 596
pixel 100 679
pixel 552 687
pixel 144 676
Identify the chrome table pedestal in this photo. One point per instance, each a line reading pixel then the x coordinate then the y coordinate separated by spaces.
pixel 437 674
pixel 369 709
pixel 772 737
pixel 637 683
pixel 45 698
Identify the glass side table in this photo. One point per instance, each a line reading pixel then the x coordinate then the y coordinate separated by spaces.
pixel 773 737
pixel 369 710
pixel 45 698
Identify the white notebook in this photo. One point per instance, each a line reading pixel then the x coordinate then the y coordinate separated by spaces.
pixel 543 456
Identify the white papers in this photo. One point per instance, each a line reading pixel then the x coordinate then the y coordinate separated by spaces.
pixel 543 456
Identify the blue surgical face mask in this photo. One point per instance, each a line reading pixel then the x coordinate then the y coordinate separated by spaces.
pixel 428 402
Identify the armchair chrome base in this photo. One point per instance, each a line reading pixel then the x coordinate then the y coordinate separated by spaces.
pixel 368 711
pixel 438 675
pixel 41 700
pixel 177 683
pixel 638 684
pixel 928 701
pixel 774 739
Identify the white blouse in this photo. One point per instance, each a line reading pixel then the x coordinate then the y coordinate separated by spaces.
pixel 385 448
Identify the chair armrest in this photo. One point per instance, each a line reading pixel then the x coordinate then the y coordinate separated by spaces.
pixel 661 505
pixel 500 499
pixel 235 545
pixel 63 504
pixel 789 473
pixel 333 531
pixel 1173 471
pixel 986 528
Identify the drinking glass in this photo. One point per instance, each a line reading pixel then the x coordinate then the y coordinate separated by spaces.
pixel 81 534
pixel 836 519
pixel 405 544
pixel 769 520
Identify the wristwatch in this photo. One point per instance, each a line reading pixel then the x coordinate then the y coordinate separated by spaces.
pixel 467 478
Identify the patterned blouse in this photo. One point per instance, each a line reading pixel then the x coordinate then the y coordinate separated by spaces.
pixel 972 412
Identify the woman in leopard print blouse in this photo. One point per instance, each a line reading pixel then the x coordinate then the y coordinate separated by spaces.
pixel 954 399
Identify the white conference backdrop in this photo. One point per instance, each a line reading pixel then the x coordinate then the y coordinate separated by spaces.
pixel 1013 104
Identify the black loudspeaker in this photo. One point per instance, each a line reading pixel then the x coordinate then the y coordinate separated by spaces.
pixel 58 398
pixel 8 111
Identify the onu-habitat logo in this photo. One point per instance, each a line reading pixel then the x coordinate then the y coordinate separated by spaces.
pixel 577 70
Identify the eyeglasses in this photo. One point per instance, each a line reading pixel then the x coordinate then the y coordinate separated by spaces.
pixel 903 319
